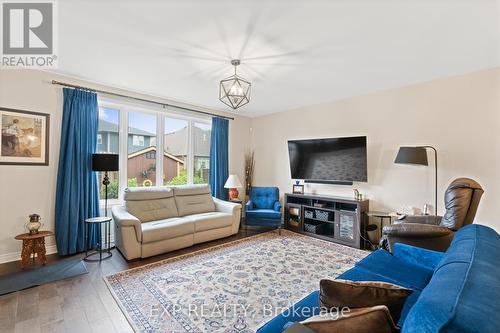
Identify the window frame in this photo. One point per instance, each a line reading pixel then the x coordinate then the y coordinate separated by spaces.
pixel 161 113
pixel 139 139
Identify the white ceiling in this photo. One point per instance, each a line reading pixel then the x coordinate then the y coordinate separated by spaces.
pixel 295 53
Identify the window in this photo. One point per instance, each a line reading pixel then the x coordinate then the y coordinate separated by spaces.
pixel 108 142
pixel 138 132
pixel 141 170
pixel 201 146
pixel 176 151
pixel 138 140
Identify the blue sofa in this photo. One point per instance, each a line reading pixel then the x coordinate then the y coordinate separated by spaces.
pixel 263 207
pixel 455 291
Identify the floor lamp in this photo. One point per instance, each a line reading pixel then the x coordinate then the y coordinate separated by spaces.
pixel 106 163
pixel 418 155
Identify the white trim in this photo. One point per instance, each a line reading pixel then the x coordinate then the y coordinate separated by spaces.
pixel 15 256
pixel 189 157
pixel 160 125
pixel 141 107
pixel 122 151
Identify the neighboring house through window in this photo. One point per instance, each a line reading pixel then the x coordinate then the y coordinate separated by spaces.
pixel 184 145
pixel 108 142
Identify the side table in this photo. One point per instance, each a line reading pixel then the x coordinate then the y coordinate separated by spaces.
pixel 107 238
pixel 33 244
pixel 382 216
pixel 238 201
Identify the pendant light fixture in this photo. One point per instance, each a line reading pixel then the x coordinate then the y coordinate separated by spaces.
pixel 234 91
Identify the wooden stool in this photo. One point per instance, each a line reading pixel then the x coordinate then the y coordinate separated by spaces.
pixel 33 244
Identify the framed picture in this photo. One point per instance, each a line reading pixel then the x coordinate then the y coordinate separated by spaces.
pixel 25 137
pixel 298 189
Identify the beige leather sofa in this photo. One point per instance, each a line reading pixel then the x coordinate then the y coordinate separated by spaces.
pixel 156 220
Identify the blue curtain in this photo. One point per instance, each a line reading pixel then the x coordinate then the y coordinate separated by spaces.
pixel 77 192
pixel 219 169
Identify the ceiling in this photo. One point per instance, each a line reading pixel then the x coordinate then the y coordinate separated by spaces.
pixel 295 53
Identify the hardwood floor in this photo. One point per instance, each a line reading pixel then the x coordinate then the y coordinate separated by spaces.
pixel 80 304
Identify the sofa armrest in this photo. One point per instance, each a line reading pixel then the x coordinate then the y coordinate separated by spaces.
pixel 226 207
pixel 415 230
pixel 420 219
pixel 428 236
pixel 277 206
pixel 123 218
pixel 249 205
pixel 417 255
pixel 230 208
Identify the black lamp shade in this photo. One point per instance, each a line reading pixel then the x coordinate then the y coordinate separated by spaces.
pixel 104 162
pixel 412 155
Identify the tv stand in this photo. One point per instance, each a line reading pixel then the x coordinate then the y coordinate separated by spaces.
pixel 337 219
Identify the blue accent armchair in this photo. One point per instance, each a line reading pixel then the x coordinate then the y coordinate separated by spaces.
pixel 263 208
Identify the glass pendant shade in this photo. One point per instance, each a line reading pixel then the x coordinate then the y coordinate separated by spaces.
pixel 234 91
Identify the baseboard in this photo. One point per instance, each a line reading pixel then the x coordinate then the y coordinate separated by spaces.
pixel 51 249
pixel 15 256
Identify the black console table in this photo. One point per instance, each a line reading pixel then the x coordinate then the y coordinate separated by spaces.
pixel 337 219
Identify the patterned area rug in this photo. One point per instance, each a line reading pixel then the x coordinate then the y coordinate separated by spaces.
pixel 234 287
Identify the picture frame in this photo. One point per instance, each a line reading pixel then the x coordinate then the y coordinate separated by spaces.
pixel 24 138
pixel 297 189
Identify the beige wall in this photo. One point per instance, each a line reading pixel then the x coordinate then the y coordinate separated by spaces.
pixel 31 189
pixel 458 115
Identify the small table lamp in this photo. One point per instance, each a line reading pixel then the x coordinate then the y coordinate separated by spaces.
pixel 105 162
pixel 233 184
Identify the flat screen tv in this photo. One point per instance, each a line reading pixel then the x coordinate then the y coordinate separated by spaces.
pixel 333 160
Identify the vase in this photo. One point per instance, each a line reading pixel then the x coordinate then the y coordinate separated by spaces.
pixel 34 224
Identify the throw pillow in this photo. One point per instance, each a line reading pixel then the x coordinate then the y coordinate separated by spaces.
pixel 362 320
pixel 336 294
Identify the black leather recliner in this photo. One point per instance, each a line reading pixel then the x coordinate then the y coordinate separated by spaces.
pixel 436 232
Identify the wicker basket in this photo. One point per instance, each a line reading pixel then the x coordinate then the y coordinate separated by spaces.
pixel 294 211
pixel 323 215
pixel 309 214
pixel 315 228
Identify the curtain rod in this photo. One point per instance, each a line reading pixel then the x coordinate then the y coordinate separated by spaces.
pixel 136 98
